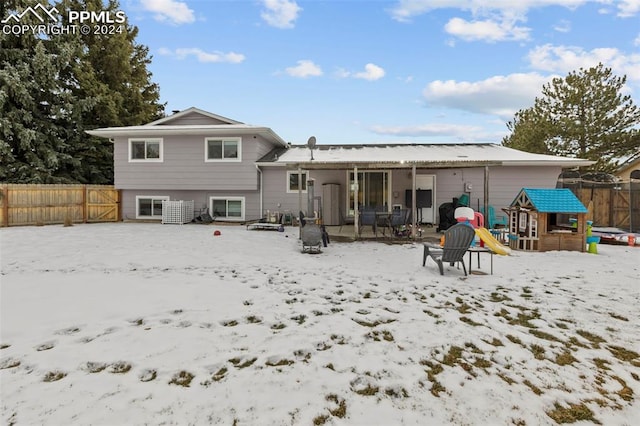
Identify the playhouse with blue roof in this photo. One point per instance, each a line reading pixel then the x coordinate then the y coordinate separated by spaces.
pixel 543 219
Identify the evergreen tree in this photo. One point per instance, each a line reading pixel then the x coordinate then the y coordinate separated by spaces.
pixel 111 70
pixel 53 89
pixel 34 108
pixel 582 115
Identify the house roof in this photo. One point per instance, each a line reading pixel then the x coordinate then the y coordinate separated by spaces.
pixel 631 163
pixel 188 111
pixel 559 200
pixel 407 155
pixel 162 127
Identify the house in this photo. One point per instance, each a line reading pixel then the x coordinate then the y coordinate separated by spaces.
pixel 239 171
pixel 542 219
pixel 631 165
pixel 190 155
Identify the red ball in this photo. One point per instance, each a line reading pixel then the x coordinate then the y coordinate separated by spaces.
pixel 216 233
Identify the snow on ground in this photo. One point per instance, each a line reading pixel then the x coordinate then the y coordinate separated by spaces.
pixel 135 324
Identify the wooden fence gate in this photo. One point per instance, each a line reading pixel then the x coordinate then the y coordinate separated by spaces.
pixel 617 207
pixel 50 204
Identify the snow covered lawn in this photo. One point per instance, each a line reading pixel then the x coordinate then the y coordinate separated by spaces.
pixel 136 324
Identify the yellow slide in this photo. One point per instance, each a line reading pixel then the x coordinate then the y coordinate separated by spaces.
pixel 491 242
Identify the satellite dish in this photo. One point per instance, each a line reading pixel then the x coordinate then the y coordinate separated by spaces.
pixel 311 143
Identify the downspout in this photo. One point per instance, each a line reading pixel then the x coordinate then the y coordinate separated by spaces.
pixel 356 207
pixel 486 196
pixel 300 202
pixel 414 223
pixel 261 190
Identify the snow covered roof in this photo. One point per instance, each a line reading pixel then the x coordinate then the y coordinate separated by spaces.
pixel 191 121
pixel 198 129
pixel 406 155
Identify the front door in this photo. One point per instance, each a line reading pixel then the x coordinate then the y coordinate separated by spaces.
pixel 373 190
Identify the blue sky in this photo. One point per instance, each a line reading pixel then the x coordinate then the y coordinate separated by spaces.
pixel 358 71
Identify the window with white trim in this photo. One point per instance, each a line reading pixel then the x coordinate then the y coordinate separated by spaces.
pixel 145 150
pixel 230 208
pixel 293 181
pixel 223 149
pixel 149 206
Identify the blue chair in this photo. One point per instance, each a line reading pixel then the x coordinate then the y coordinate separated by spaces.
pixel 368 218
pixel 399 218
pixel 491 220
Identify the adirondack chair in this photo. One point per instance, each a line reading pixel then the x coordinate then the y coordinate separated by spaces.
pixel 457 240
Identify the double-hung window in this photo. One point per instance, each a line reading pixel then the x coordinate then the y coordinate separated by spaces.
pixel 293 181
pixel 145 150
pixel 231 208
pixel 222 149
pixel 149 206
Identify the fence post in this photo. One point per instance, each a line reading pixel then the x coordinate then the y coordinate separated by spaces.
pixel 5 205
pixel 84 203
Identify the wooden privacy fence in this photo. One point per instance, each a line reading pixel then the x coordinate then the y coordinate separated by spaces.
pixel 617 207
pixel 49 204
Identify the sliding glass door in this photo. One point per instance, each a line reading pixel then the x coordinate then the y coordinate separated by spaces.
pixel 373 190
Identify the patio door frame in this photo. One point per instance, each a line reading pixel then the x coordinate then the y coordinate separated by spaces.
pixel 363 191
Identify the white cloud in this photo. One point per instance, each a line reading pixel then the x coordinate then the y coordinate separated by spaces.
pixel 280 13
pixel 497 20
pixel 202 56
pixel 500 95
pixel 304 69
pixel 176 12
pixel 565 59
pixel 371 72
pixel 407 9
pixel 563 26
pixel 488 30
pixel 628 8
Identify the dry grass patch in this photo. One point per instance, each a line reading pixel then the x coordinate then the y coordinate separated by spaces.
pixel 618 317
pixel 280 363
pixel 469 321
pixel 239 363
pixel 537 351
pixel 571 414
pixel 593 338
pixel 453 356
pixel 545 336
pixel 623 354
pixel 533 387
pixel 120 367
pixel 54 376
pixel 565 358
pixel 9 363
pixel 182 378
pixel 341 410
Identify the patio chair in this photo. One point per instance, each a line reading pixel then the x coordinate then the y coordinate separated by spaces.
pixel 398 219
pixel 368 218
pixel 492 219
pixel 457 240
pixel 346 220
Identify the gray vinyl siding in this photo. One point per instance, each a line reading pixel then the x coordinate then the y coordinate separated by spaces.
pixel 504 185
pixel 184 167
pixel 276 198
pixel 200 199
